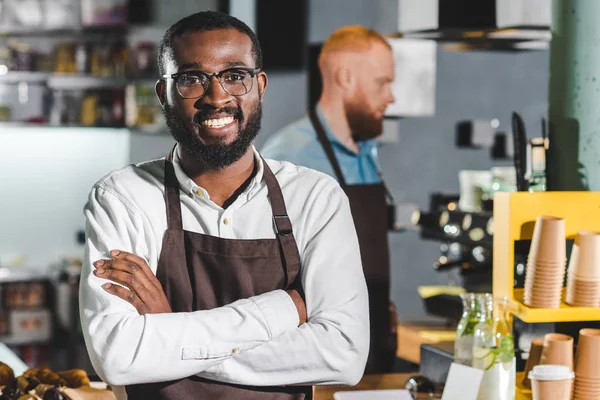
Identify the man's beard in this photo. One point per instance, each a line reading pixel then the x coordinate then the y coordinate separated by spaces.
pixel 214 155
pixel 363 125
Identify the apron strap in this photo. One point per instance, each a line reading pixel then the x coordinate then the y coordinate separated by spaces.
pixel 283 228
pixel 174 220
pixel 326 144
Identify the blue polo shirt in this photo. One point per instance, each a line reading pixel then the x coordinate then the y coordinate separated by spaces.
pixel 298 144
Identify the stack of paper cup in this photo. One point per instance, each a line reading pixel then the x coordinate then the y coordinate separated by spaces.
pixel 551 382
pixel 583 282
pixel 535 356
pixel 558 350
pixel 587 365
pixel 546 263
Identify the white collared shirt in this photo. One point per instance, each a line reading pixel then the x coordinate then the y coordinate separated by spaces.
pixel 252 341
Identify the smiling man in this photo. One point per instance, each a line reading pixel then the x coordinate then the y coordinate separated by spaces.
pixel 212 273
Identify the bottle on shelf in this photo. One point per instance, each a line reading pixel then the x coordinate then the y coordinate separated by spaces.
pixel 463 346
pixel 494 351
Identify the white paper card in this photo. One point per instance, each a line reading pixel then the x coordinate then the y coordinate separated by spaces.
pixel 373 395
pixel 9 358
pixel 462 383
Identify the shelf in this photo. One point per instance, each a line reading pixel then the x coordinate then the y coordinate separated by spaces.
pixel 565 313
pixel 78 30
pixel 24 76
pixel 514 220
pixel 521 392
pixel 65 81
pixel 80 82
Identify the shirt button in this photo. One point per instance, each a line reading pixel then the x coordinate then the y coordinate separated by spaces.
pixel 191 195
pixel 234 351
pixel 225 221
pixel 199 192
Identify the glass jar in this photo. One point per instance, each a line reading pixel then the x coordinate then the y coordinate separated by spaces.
pixel 463 346
pixel 494 351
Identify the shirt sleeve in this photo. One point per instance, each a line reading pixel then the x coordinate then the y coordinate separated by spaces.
pixel 332 347
pixel 127 348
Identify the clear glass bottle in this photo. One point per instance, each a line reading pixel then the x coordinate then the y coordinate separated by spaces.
pixel 463 346
pixel 494 351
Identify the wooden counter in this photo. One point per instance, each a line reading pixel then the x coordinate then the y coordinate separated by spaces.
pixel 368 382
pixel 412 336
pixel 394 381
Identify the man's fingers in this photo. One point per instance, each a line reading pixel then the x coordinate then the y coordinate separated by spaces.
pixel 124 278
pixel 127 295
pixel 134 259
pixel 103 263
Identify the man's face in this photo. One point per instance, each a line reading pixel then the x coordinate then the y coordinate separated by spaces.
pixel 366 105
pixel 217 128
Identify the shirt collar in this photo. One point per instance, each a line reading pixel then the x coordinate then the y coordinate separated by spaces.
pixel 190 187
pixel 365 147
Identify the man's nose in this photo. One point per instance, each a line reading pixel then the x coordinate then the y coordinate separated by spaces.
pixel 215 95
pixel 391 98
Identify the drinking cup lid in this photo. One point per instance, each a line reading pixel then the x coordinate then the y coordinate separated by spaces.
pixel 551 373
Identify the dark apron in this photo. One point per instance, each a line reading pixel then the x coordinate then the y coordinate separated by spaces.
pixel 202 272
pixel 370 213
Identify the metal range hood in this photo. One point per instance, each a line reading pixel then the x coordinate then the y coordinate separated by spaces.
pixel 472 24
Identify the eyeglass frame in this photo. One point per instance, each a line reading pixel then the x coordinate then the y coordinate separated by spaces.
pixel 252 71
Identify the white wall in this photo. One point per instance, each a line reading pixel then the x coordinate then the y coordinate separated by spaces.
pixel 45 177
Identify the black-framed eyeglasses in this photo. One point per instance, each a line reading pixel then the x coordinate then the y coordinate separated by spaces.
pixel 194 84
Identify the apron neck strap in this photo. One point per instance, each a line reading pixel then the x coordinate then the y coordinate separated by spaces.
pixel 327 147
pixel 174 220
pixel 326 144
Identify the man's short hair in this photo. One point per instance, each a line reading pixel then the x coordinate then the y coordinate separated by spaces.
pixel 202 22
pixel 352 38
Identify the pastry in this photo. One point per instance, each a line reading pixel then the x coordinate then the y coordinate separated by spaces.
pixel 7 376
pixel 45 375
pixel 75 378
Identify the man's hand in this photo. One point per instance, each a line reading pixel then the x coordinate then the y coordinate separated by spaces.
pixel 145 291
pixel 300 305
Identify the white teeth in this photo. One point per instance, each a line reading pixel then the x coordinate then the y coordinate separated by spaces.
pixel 217 122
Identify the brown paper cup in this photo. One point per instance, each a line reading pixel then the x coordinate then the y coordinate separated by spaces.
pixel 535 354
pixel 578 295
pixel 587 279
pixel 580 386
pixel 542 304
pixel 588 355
pixel 548 242
pixel 585 256
pixel 545 278
pixel 558 350
pixel 552 390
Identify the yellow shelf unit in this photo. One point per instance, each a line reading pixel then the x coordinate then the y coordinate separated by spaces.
pixel 521 392
pixel 514 219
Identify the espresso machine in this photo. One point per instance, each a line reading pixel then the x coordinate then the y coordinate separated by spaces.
pixel 466 244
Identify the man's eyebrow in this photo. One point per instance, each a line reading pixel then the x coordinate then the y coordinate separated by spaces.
pixel 193 65
pixel 235 64
pixel 196 65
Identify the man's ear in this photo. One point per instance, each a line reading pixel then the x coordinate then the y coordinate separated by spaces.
pixel 161 91
pixel 263 81
pixel 343 78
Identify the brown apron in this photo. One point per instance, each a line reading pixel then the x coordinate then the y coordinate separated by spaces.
pixel 201 272
pixel 369 211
